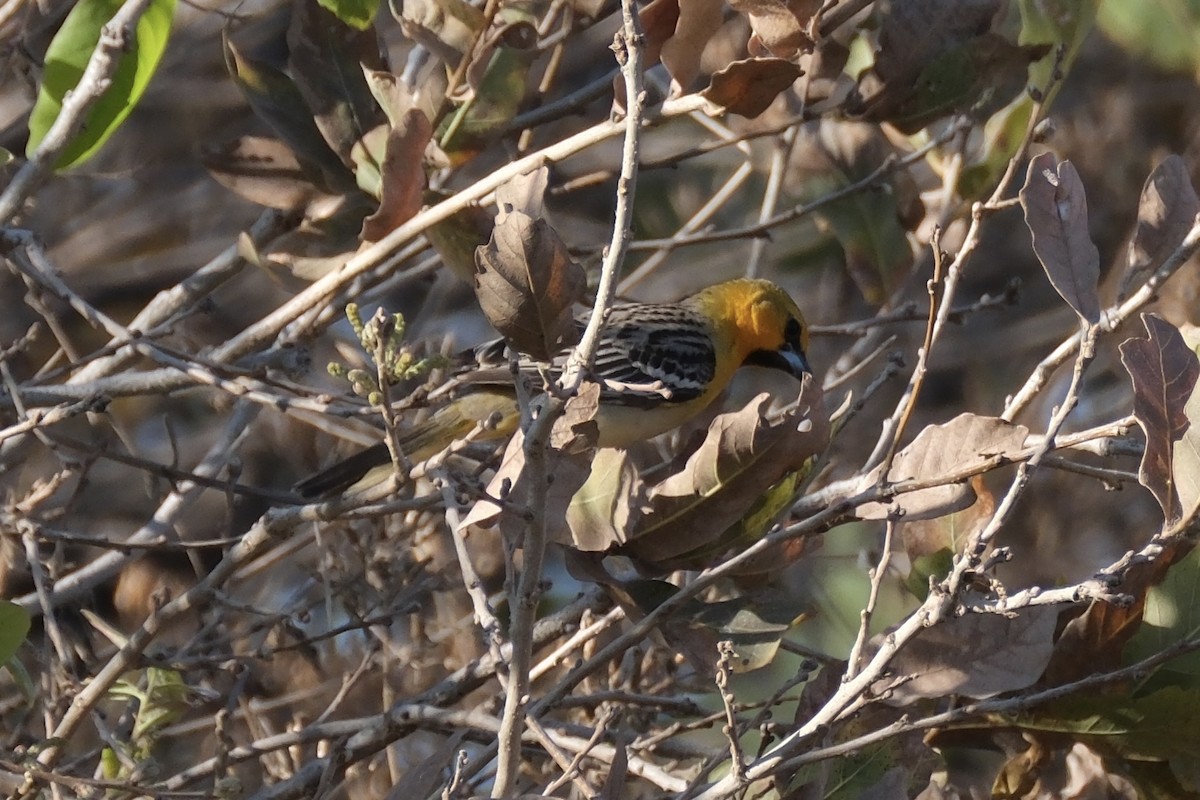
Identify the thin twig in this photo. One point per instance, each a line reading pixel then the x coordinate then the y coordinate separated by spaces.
pixel 729 702
pixel 853 661
pixel 527 590
pixel 781 155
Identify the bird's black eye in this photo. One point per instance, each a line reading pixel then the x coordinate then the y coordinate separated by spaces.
pixel 791 331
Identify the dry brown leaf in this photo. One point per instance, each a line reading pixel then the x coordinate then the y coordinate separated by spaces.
pixel 749 87
pixel 1164 371
pixel 1166 212
pixel 780 28
pixel 912 33
pixel 568 464
pixel 940 57
pixel 965 443
pixel 825 68
pixel 446 28
pixel 565 473
pixel 976 655
pixel 615 784
pixel 1185 461
pixel 527 285
pixel 575 431
pixel 1090 774
pixel 402 176
pixel 324 241
pixel 742 456
pixel 525 193
pixel 1020 772
pixel 699 21
pixel 658 19
pixel 1056 212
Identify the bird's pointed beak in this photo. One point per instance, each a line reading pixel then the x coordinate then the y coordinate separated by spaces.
pixel 787 358
pixel 797 362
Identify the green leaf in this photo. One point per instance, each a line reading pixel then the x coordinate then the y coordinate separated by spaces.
pixel 1063 23
pixel 164 703
pixel 754 624
pixel 495 101
pixel 21 678
pixel 355 13
pixel 864 769
pixel 757 523
pixel 14 625
pixel 932 565
pixel 1171 615
pixel 110 764
pixel 1002 135
pixel 457 238
pixel 743 453
pixel 1042 22
pixel 1158 727
pixel 66 59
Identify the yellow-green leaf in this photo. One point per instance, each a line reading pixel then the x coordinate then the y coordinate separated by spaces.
pixel 66 59
pixel 14 625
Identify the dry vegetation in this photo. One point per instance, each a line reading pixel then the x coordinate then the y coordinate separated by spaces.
pixel 958 564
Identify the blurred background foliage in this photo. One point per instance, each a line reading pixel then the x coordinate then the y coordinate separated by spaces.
pixel 144 213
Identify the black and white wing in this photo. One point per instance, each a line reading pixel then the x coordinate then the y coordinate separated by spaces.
pixel 650 354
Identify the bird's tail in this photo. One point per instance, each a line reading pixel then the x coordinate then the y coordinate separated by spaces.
pixel 453 421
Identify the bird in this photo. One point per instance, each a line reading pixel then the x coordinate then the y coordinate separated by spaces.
pixel 657 366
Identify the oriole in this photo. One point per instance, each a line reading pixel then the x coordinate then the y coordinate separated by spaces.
pixel 658 365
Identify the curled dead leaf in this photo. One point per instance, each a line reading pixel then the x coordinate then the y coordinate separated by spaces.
pixel 1164 371
pixel 564 474
pixel 525 193
pixel 748 87
pixel 780 26
pixel 743 455
pixel 527 285
pixel 699 21
pixel 402 176
pixel 976 655
pixel 926 537
pixel 967 442
pixel 1166 212
pixel 1056 212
